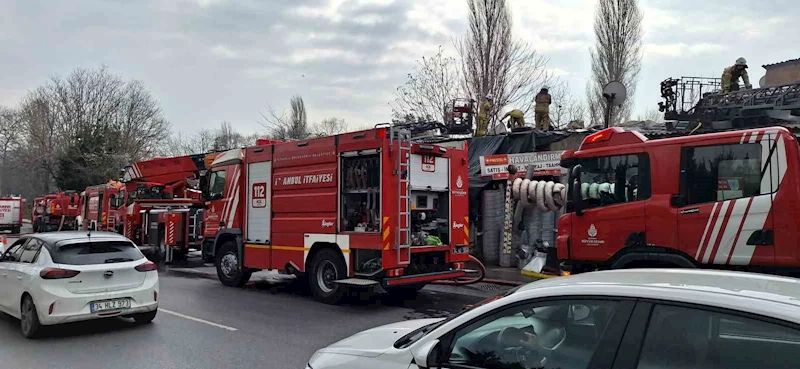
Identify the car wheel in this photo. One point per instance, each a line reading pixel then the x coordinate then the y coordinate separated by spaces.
pixel 227 263
pixel 326 268
pixel 29 319
pixel 145 318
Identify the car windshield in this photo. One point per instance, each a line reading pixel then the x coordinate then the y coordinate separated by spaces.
pixel 420 332
pixel 96 252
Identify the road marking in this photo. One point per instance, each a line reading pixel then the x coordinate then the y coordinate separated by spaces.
pixel 198 320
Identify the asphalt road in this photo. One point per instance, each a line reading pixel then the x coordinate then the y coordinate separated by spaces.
pixel 202 324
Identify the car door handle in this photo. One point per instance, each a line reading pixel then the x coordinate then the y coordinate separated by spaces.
pixel 5 274
pixel 19 277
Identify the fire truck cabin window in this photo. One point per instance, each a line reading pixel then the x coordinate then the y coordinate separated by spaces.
pixel 611 180
pixel 721 172
pixel 217 185
pixel 361 196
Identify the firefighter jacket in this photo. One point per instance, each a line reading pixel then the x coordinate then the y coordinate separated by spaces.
pixel 731 75
pixel 543 102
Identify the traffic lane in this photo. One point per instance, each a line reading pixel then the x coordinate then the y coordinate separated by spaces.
pixel 286 319
pixel 203 324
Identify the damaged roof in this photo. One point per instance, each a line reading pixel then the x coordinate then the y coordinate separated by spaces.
pixel 778 64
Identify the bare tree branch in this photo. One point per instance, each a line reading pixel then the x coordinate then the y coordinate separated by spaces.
pixel 617 55
pixel 428 89
pixel 493 62
pixel 282 127
pixel 329 127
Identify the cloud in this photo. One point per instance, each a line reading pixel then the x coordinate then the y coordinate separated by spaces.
pixel 223 52
pixel 652 50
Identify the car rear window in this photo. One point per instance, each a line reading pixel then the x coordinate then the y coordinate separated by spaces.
pixel 98 252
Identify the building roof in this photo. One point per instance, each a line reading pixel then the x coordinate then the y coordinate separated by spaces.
pixel 778 64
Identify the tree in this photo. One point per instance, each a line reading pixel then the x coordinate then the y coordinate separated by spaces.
pixel 617 55
pixel 493 62
pixel 652 115
pixel 90 123
pixel 330 126
pixel 10 133
pixel 281 127
pixel 429 89
pixel 566 108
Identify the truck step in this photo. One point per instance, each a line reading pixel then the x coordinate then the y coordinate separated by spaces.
pixel 357 282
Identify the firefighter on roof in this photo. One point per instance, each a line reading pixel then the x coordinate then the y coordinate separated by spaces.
pixel 483 115
pixel 542 109
pixel 731 75
pixel 517 119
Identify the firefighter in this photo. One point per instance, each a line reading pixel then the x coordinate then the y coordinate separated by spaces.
pixel 517 119
pixel 542 109
pixel 731 75
pixel 483 115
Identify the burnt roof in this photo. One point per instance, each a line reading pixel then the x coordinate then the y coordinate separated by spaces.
pixel 791 61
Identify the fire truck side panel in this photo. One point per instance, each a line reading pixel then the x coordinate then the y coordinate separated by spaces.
pixel 737 199
pixel 459 206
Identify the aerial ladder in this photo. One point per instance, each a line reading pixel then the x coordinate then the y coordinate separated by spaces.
pixel 695 104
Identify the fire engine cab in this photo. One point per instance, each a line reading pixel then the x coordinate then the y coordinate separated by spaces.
pixel 721 200
pixel 363 208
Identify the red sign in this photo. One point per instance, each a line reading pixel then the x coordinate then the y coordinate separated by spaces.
pixel 428 163
pixel 259 195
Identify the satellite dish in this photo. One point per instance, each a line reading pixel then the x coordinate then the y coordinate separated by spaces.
pixel 615 93
pixel 762 82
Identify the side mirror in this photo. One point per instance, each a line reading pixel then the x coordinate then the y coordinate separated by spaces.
pixel 577 198
pixel 426 354
pixel 677 201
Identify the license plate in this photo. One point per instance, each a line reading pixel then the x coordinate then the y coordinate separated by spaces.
pixel 110 305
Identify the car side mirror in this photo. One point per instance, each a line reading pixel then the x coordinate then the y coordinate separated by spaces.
pixel 426 354
pixel 577 198
pixel 677 201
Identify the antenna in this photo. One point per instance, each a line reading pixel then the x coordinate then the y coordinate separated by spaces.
pixel 615 94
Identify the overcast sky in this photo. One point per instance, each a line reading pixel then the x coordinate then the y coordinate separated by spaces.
pixel 209 61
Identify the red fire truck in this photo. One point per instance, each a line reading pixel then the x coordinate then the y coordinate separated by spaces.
pixel 720 200
pixel 357 209
pixel 164 211
pixel 56 212
pixel 101 207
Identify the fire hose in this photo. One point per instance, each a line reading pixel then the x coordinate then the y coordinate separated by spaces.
pixel 480 278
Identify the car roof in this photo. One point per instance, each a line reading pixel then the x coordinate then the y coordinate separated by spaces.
pixel 51 238
pixel 762 294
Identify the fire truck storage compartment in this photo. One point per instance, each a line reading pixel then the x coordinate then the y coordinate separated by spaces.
pixel 430 195
pixel 361 192
pixel 259 208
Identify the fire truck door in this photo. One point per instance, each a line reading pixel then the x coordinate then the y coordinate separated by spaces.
pixel 725 201
pixel 221 191
pixel 613 190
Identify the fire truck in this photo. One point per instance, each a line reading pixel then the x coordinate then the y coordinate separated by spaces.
pixel 11 213
pixel 100 207
pixel 366 209
pixel 163 209
pixel 56 212
pixel 727 198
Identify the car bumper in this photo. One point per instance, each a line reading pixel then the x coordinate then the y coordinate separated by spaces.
pixel 423 278
pixel 69 307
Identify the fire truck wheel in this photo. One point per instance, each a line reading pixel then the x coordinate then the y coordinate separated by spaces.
pixel 327 267
pixel 227 265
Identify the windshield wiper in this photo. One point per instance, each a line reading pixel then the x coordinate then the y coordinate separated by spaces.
pixel 118 260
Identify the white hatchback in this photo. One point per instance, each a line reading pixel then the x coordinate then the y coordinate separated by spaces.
pixel 61 277
pixel 631 319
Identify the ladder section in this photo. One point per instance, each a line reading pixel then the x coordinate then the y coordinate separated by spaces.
pixel 401 138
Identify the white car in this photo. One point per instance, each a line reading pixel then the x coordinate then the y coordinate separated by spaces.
pixel 61 277
pixel 625 319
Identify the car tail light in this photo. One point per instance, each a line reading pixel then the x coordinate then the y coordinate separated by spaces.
pixel 147 267
pixel 57 273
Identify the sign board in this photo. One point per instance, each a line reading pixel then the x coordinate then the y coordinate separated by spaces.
pixel 545 163
pixel 428 163
pixel 259 195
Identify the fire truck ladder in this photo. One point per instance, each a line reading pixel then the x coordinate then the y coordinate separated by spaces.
pixel 403 238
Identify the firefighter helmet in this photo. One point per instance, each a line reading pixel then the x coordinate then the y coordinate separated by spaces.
pixel 742 62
